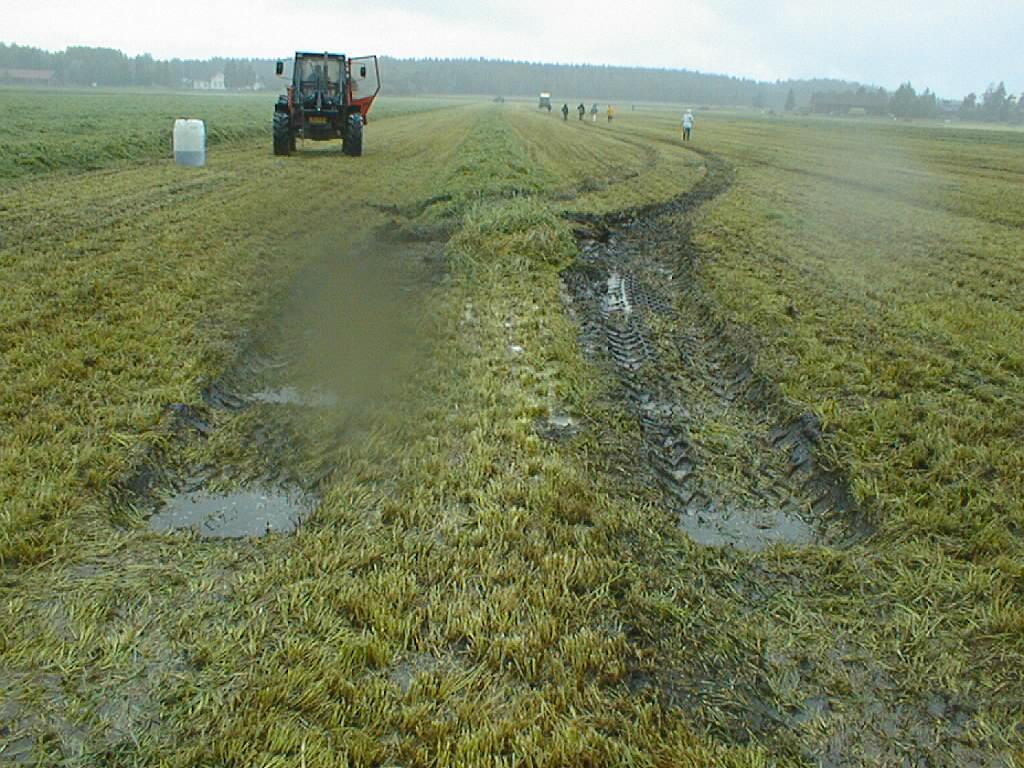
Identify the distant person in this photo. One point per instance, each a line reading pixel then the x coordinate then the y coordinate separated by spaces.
pixel 593 113
pixel 565 111
pixel 611 112
pixel 582 110
pixel 687 125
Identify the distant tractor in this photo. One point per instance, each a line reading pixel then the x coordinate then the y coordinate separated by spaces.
pixel 545 101
pixel 329 98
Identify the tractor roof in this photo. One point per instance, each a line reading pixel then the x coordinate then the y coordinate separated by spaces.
pixel 319 54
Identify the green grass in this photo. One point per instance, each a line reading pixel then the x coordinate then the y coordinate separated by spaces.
pixel 469 593
pixel 79 130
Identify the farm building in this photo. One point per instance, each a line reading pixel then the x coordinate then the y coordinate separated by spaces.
pixel 28 76
pixel 851 102
pixel 948 107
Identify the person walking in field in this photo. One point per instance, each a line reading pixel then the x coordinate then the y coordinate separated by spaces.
pixel 687 125
pixel 611 112
pixel 565 111
pixel 593 112
pixel 582 110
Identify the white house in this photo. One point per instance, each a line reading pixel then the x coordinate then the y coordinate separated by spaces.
pixel 215 83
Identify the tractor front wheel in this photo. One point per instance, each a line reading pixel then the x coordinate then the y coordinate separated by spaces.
pixel 352 144
pixel 284 142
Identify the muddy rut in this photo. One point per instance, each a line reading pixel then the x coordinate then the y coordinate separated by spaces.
pixel 734 463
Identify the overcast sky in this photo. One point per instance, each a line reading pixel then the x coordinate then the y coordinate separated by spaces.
pixel 951 46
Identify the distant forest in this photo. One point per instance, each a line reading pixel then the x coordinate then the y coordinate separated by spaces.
pixel 573 83
pixel 83 66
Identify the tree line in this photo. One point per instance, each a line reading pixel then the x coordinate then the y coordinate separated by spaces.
pixel 995 104
pixel 571 83
pixel 84 66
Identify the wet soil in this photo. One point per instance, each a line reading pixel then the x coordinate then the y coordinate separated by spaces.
pixel 735 464
pixel 254 456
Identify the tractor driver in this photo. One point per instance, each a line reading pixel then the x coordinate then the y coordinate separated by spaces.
pixel 316 76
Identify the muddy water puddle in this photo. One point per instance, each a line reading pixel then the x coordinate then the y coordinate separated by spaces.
pixel 311 382
pixel 241 514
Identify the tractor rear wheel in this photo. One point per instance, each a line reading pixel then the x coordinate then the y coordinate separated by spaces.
pixel 284 142
pixel 352 144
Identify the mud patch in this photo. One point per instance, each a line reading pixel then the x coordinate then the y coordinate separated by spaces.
pixel 746 528
pixel 557 427
pixel 33 727
pixel 838 705
pixel 730 466
pixel 404 673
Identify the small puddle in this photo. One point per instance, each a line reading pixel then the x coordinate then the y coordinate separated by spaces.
pixel 233 515
pixel 561 421
pixel 616 298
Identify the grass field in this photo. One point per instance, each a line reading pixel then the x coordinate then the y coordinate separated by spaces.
pixel 77 130
pixel 467 353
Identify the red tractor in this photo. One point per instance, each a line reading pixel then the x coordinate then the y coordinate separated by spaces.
pixel 329 98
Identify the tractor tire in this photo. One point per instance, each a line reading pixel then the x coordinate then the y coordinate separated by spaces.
pixel 284 140
pixel 352 144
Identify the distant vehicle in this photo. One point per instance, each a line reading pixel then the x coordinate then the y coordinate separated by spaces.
pixel 499 99
pixel 329 98
pixel 545 101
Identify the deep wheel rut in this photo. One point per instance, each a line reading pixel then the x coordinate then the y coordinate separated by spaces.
pixel 735 463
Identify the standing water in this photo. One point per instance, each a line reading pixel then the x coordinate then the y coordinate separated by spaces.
pixel 190 142
pixel 245 513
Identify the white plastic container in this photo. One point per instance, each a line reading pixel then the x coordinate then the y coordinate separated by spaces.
pixel 190 142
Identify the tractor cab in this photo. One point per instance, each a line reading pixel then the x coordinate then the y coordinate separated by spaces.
pixel 319 75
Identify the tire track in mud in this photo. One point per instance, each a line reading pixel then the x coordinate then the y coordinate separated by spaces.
pixel 727 463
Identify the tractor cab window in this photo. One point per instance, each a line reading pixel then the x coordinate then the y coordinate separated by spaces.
pixel 318 74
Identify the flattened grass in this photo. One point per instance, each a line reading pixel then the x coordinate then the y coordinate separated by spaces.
pixel 133 288
pixel 602 167
pixel 899 320
pixel 469 592
pixel 452 603
pixel 874 263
